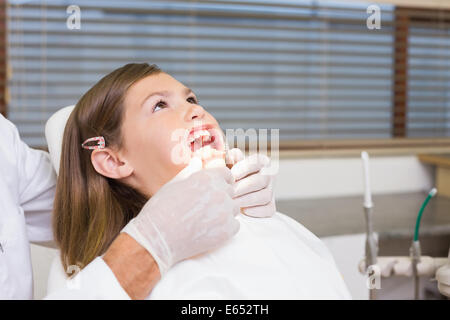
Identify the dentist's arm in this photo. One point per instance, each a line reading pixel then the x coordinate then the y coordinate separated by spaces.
pixel 133 266
pixel 34 183
pixel 187 216
pixel 190 215
pixel 126 271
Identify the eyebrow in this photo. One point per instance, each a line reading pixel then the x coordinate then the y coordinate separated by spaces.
pixel 164 94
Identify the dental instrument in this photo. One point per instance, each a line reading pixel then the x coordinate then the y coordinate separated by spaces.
pixel 371 250
pixel 414 250
pixel 414 265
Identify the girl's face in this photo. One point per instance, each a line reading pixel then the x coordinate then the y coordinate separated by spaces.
pixel 164 126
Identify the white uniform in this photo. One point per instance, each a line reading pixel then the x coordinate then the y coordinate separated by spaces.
pixel 270 258
pixel 27 189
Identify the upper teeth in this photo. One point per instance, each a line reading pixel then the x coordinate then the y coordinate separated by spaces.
pixel 198 134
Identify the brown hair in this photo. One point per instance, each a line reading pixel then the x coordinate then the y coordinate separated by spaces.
pixel 90 209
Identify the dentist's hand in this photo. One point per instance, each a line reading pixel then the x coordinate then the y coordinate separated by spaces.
pixel 253 189
pixel 191 214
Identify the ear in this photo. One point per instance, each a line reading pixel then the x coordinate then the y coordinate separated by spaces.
pixel 106 162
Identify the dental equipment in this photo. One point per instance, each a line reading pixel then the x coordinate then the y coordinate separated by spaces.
pixel 443 278
pixel 371 250
pixel 414 265
pixel 415 251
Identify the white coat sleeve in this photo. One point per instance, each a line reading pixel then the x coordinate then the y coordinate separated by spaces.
pixel 95 282
pixel 36 186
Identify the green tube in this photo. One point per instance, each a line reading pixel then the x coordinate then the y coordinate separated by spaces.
pixel 419 216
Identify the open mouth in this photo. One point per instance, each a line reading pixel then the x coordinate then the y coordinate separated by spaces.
pixel 207 143
pixel 205 135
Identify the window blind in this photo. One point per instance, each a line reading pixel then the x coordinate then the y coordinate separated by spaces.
pixel 429 79
pixel 309 68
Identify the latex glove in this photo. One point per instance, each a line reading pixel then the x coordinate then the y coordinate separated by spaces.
pixel 253 187
pixel 191 214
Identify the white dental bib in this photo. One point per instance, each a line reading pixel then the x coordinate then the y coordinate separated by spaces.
pixel 269 258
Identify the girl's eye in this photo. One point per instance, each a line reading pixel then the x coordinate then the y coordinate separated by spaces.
pixel 192 100
pixel 159 105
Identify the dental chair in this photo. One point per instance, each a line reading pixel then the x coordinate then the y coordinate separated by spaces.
pixel 54 132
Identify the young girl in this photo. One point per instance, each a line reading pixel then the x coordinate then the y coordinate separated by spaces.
pixel 137 109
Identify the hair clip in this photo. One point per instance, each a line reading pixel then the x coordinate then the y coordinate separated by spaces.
pixel 100 143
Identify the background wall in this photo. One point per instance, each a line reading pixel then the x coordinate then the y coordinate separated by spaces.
pixel 317 178
pixel 334 177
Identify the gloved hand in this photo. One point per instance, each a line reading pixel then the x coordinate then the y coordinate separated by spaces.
pixel 191 214
pixel 253 188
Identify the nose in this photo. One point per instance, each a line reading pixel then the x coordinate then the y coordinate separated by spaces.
pixel 194 112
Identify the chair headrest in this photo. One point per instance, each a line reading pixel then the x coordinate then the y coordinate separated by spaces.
pixel 54 132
